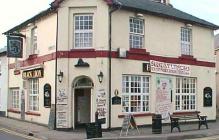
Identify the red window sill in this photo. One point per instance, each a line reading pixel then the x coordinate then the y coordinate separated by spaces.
pixel 33 113
pixel 137 51
pixel 14 111
pixel 83 50
pixel 186 113
pixel 32 56
pixel 188 57
pixel 138 115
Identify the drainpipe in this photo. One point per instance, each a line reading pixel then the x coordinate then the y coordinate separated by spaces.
pixel 116 5
pixel 56 66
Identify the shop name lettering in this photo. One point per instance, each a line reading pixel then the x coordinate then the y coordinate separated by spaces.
pixel 168 68
pixel 33 74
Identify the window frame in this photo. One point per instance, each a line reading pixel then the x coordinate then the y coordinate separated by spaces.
pixel 133 33
pixel 186 46
pixel 83 31
pixel 143 92
pixel 34 37
pixel 33 92
pixel 15 98
pixel 186 89
pixel 0 67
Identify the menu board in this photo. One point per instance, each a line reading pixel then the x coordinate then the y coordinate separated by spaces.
pixel 101 103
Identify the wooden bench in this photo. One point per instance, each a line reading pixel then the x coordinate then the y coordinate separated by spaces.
pixel 175 119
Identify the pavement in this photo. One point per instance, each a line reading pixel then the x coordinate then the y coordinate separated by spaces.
pixel 188 132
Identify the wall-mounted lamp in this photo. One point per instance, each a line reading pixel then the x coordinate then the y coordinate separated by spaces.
pixel 139 15
pixel 100 76
pixel 188 25
pixel 60 76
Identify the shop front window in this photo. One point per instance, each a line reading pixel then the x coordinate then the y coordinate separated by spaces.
pixel 135 93
pixel 33 94
pixel 185 99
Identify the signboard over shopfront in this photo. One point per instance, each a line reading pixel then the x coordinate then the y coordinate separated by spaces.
pixel 169 68
pixel 35 73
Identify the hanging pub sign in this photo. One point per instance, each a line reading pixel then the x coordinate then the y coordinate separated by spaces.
pixel 35 73
pixel 14 47
pixel 207 97
pixel 47 95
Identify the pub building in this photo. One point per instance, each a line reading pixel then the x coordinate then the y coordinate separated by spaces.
pixel 114 58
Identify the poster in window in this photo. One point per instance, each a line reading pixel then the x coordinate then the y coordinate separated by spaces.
pixel 14 47
pixel 207 97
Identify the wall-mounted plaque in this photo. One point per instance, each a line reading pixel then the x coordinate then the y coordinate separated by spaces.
pixel 207 97
pixel 47 95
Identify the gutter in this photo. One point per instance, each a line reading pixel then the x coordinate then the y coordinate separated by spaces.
pixel 115 5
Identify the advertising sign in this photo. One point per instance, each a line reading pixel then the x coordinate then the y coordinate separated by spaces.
pixel 207 97
pixel 101 103
pixel 14 47
pixel 163 96
pixel 35 73
pixel 169 68
pixel 47 95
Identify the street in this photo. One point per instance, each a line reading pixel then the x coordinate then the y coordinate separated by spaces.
pixel 6 134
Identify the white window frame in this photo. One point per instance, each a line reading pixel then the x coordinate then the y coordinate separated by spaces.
pixel 0 67
pixel 33 40
pixel 135 90
pixel 186 41
pixel 186 96
pixel 136 30
pixel 33 95
pixel 15 98
pixel 82 44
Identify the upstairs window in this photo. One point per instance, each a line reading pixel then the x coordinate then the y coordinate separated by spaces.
pixel 136 34
pixel 83 31
pixel 34 41
pixel 186 41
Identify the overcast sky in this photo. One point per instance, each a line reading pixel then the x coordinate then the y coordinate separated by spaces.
pixel 14 12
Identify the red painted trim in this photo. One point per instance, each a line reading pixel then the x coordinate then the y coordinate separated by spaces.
pixel 132 54
pixel 109 2
pixel 138 115
pixel 33 113
pixel 14 111
pixel 186 113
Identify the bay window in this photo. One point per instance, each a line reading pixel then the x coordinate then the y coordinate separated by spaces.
pixel 135 93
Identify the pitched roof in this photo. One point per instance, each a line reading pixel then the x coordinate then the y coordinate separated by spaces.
pixel 164 10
